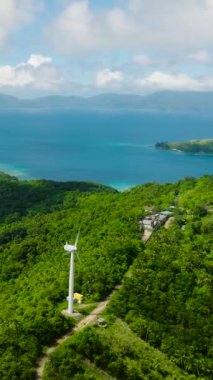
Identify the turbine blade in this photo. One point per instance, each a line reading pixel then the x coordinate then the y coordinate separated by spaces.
pixel 77 237
pixel 78 257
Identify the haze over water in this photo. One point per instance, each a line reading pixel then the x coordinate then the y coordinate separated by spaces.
pixel 110 147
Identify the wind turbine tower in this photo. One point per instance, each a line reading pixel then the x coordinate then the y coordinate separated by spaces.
pixel 72 249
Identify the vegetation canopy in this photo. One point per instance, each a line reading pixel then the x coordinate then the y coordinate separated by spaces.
pixel 159 322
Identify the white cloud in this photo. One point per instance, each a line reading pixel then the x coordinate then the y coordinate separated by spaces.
pixel 37 60
pixel 15 14
pixel 200 56
pixel 161 24
pixel 142 60
pixel 48 78
pixel 209 3
pixel 163 81
pixel 79 30
pixel 38 73
pixel 13 77
pixel 73 28
pixel 109 78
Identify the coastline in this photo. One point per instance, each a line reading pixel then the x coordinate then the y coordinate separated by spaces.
pixel 20 173
pixel 194 154
pixel 195 147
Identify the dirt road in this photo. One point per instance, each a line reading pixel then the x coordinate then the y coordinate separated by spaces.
pixel 80 325
pixel 169 222
pixel 146 235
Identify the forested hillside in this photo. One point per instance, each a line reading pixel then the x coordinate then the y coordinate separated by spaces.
pixel 164 301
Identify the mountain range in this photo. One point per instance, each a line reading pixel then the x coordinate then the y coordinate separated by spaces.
pixel 170 101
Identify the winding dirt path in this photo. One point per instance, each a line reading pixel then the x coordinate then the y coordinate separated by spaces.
pixel 79 326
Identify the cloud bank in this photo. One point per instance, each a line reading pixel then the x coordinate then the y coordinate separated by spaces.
pixel 14 15
pixel 123 46
pixel 164 81
pixel 109 78
pixel 160 24
pixel 38 72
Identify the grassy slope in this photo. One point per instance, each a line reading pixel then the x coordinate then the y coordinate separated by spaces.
pixel 117 351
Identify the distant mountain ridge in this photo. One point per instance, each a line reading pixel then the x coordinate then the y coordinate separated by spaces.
pixel 169 101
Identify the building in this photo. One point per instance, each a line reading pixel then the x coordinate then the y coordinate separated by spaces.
pixel 152 222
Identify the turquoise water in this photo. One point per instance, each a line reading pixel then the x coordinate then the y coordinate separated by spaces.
pixel 113 148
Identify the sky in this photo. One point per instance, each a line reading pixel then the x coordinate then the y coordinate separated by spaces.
pixel 87 47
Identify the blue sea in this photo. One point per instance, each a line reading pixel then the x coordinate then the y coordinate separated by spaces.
pixel 115 148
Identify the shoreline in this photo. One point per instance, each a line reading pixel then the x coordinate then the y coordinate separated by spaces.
pixel 194 154
pixel 195 146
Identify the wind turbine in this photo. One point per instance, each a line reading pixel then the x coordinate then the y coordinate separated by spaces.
pixel 71 249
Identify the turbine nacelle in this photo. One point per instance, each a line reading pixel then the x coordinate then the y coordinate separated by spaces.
pixel 70 248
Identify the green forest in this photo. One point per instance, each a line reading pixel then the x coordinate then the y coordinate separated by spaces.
pixel 159 322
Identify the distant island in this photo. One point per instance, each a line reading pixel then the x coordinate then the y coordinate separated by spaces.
pixel 191 146
pixel 162 101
